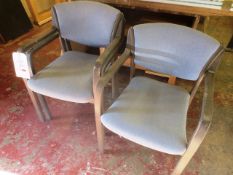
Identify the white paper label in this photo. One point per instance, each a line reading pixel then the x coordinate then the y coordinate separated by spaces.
pixel 21 65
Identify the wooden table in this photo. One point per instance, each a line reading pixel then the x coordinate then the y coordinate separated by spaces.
pixel 188 7
pixel 196 8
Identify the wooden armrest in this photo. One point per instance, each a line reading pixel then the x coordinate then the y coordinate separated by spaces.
pixel 206 111
pixel 114 68
pixel 104 79
pixel 203 125
pixel 105 59
pixel 109 53
pixel 29 48
pixel 207 102
pixel 46 37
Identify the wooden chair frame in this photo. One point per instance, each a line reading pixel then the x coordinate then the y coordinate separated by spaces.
pixel 107 57
pixel 205 119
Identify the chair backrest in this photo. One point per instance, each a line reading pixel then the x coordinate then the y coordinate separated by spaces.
pixel 87 22
pixel 171 49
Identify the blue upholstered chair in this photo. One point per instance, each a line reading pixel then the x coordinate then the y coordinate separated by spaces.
pixel 72 76
pixel 152 113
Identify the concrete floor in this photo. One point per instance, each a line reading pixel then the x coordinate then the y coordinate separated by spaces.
pixel 67 144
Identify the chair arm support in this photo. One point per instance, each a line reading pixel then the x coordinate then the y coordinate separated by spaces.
pixel 104 79
pixel 112 70
pixel 206 111
pixel 207 106
pixel 110 52
pixel 207 102
pixel 211 66
pixel 193 146
pixel 203 125
pixel 29 48
pixel 208 96
pixel 104 59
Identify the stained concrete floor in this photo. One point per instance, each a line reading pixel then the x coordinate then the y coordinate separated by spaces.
pixel 67 144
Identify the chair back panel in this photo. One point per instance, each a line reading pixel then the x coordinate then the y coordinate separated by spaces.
pixel 172 49
pixel 87 22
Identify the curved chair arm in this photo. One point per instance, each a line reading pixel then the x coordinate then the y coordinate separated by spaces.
pixel 98 88
pixel 212 66
pixel 105 59
pixel 39 42
pixel 104 79
pixel 29 48
pixel 203 125
pixel 207 106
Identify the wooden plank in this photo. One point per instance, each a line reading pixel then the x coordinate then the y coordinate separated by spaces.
pixel 40 17
pixel 221 8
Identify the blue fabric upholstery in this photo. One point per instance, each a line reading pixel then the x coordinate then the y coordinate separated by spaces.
pixel 173 49
pixel 87 22
pixel 68 78
pixel 152 114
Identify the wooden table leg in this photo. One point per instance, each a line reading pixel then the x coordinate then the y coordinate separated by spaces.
pixel 196 21
pixel 172 80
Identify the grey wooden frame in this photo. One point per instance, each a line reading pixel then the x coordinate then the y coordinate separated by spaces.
pixel 108 53
pixel 205 119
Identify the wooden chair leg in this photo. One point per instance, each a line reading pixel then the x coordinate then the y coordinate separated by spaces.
pixel 100 134
pixel 44 106
pixel 183 162
pixel 194 144
pixel 114 87
pixel 132 68
pixel 98 105
pixel 36 105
